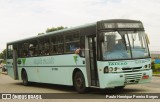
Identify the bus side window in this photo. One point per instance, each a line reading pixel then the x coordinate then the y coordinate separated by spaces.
pixel 46 47
pixel 24 49
pixel 56 45
pixel 41 47
pixel 60 40
pixel 10 51
pixel 72 42
pixel 33 48
pixel 53 42
pixel 82 46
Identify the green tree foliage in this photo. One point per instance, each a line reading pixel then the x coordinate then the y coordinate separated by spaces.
pixel 153 66
pixel 40 33
pixel 55 29
pixel 3 54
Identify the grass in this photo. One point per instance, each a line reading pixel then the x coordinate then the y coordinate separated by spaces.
pixel 156 69
pixel 157 66
pixel 156 72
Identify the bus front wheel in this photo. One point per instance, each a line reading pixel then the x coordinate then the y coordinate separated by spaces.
pixel 25 78
pixel 79 82
pixel 119 87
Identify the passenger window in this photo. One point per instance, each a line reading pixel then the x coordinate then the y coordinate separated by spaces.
pixel 25 47
pixel 72 42
pixel 44 46
pixel 57 45
pixel 28 49
pixel 82 46
pixel 33 48
pixel 10 51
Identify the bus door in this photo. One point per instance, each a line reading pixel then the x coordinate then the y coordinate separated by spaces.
pixel 15 69
pixel 91 60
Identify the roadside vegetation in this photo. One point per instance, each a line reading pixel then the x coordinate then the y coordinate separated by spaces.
pixel 155 68
pixel 3 56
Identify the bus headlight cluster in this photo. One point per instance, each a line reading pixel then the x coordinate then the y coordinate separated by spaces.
pixel 111 69
pixel 147 66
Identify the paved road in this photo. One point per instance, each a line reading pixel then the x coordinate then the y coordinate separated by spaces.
pixel 155 83
pixel 8 85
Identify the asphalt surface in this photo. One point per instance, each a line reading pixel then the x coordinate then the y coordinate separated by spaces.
pixel 8 85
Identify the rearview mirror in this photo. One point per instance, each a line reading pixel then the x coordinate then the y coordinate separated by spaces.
pixel 147 39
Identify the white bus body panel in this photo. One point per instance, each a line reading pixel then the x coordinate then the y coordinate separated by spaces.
pixel 56 69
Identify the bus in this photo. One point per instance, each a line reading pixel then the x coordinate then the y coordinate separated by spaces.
pixel 112 54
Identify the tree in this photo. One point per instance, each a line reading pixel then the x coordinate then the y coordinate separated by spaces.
pixel 153 66
pixel 41 33
pixel 55 29
pixel 3 54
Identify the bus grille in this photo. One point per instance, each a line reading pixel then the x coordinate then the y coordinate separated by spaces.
pixel 134 69
pixel 132 78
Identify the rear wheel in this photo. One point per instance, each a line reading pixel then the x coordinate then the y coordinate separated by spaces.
pixel 79 82
pixel 25 78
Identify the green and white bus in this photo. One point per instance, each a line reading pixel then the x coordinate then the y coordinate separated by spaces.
pixel 113 53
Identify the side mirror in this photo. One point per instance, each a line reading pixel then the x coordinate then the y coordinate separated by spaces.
pixel 147 39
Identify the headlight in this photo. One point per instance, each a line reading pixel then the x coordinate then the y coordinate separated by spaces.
pixel 110 69
pixel 115 69
pixel 149 66
pixel 145 66
pixel 106 70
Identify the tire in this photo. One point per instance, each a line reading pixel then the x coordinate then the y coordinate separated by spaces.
pixel 119 87
pixel 25 78
pixel 79 82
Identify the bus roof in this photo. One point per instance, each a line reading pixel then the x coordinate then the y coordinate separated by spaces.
pixel 121 21
pixel 77 28
pixel 55 32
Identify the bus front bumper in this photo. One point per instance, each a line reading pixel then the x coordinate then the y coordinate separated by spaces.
pixel 111 80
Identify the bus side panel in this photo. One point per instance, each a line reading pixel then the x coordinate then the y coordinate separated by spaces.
pixel 52 69
pixel 9 66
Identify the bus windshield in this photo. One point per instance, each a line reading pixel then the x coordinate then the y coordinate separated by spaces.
pixel 123 45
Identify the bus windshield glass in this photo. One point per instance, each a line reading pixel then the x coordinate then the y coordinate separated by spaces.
pixel 123 45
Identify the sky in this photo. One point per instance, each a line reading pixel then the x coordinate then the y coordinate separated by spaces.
pixel 21 19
